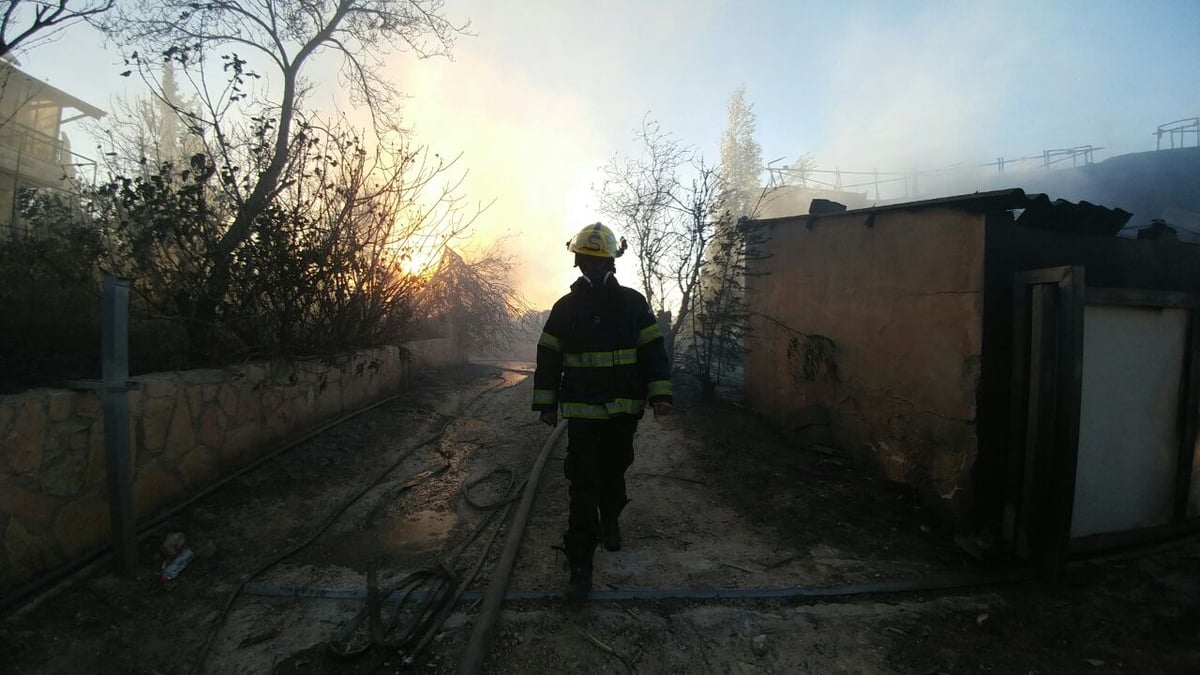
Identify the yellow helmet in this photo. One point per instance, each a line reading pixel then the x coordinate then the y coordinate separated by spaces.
pixel 596 240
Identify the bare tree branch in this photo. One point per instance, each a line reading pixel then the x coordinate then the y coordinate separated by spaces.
pixel 26 23
pixel 285 34
pixel 691 255
pixel 478 295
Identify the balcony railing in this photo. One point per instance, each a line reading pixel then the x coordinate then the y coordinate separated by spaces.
pixel 34 145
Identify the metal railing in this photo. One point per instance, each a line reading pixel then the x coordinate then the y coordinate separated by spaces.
pixel 30 143
pixel 908 183
pixel 1182 128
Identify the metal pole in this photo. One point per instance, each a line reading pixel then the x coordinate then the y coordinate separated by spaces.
pixel 114 355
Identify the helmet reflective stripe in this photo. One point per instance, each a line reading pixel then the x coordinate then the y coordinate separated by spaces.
pixel 594 240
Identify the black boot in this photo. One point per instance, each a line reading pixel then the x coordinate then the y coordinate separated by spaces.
pixel 610 527
pixel 579 548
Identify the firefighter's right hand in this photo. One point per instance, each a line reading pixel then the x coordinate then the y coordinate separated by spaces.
pixel 549 417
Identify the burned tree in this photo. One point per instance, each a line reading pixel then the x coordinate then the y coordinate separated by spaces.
pixel 741 158
pixel 147 131
pixel 722 321
pixel 250 132
pixel 689 250
pixel 324 270
pixel 638 193
pixel 477 296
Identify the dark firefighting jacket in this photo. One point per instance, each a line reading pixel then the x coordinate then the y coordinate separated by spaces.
pixel 601 354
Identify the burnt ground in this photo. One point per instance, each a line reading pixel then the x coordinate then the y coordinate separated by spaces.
pixel 719 501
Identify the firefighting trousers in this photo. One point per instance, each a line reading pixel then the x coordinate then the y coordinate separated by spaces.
pixel 598 453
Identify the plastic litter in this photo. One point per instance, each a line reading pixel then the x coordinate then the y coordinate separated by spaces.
pixel 176 566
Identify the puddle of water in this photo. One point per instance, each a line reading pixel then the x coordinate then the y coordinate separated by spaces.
pixel 420 531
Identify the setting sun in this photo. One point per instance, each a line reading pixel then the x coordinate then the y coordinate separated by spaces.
pixel 419 262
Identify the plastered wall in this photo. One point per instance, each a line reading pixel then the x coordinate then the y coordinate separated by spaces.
pixel 878 319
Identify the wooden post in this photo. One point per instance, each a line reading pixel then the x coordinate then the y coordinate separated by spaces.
pixel 114 355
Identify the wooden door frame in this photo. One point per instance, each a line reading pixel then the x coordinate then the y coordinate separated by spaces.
pixel 1044 427
pixel 1047 388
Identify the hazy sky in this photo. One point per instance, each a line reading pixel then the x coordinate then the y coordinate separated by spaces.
pixel 548 90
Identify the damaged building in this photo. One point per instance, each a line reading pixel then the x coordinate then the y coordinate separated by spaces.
pixel 1009 356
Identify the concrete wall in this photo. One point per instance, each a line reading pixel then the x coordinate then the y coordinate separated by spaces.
pixel 877 318
pixel 187 429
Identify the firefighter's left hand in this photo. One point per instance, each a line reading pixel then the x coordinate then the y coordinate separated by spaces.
pixel 661 408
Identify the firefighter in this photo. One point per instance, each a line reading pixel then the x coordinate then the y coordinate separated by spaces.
pixel 600 360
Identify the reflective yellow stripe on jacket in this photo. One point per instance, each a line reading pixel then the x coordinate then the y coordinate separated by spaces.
pixel 621 357
pixel 548 340
pixel 602 411
pixel 544 397
pixel 658 388
pixel 649 334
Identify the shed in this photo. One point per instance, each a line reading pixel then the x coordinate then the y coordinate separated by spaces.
pixel 1010 357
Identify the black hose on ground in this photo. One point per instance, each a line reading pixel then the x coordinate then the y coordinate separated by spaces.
pixel 224 613
pixel 951 581
pixel 485 623
pixel 437 604
pixel 233 596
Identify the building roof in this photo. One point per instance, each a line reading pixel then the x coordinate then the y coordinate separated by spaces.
pixel 1036 211
pixel 1153 184
pixel 45 88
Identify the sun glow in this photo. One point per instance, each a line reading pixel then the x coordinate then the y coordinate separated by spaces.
pixel 522 145
pixel 418 261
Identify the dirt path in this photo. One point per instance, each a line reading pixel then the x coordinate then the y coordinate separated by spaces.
pixel 718 502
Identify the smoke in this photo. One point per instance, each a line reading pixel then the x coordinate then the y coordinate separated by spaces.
pixel 929 96
pixel 540 99
pixel 536 103
pixel 526 151
pixel 942 84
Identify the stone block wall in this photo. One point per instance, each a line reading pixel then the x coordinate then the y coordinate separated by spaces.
pixel 187 429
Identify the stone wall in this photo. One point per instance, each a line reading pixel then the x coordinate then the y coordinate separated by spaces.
pixel 186 429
